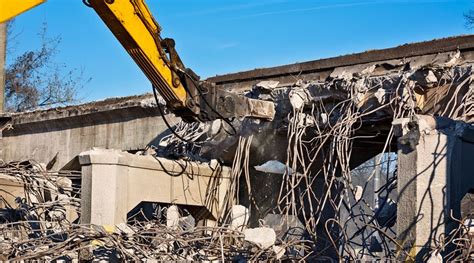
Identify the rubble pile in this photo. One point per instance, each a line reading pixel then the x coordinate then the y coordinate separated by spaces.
pixel 307 157
pixel 43 222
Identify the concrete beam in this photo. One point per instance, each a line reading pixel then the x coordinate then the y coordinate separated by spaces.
pixel 114 182
pixel 129 123
pixel 462 43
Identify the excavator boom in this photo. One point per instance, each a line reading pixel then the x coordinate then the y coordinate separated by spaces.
pixel 12 8
pixel 133 25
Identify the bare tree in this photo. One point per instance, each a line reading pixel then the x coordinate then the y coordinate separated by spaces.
pixel 34 80
pixel 469 17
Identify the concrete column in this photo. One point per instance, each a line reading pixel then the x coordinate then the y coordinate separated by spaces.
pixel 104 192
pixel 428 167
pixel 422 181
pixel 3 48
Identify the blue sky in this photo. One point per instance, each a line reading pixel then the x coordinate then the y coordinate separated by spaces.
pixel 217 37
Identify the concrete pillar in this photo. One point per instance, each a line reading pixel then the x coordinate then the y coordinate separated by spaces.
pixel 3 48
pixel 114 182
pixel 428 167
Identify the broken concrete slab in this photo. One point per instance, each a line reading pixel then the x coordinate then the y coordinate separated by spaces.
pixel 264 237
pixel 172 216
pixel 279 251
pixel 239 217
pixel 267 85
pixel 273 166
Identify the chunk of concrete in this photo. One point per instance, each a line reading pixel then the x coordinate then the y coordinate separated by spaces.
pixel 467 206
pixel 380 95
pixel 324 118
pixel 64 184
pixel 279 252
pixel 268 84
pixel 264 237
pixel 187 223
pixel 435 258
pixel 272 166
pixel 172 216
pixel 358 193
pixel 124 229
pixel 298 98
pixel 239 217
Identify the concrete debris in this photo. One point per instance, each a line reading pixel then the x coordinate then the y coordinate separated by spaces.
pixel 148 151
pixel 175 221
pixel 273 166
pixel 469 225
pixel 467 206
pixel 264 237
pixel 426 124
pixel 259 109
pixel 279 252
pixel 424 78
pixel 369 70
pixel 298 98
pixel 358 192
pixel 431 78
pixel 344 75
pixel 214 164
pixel 124 229
pixel 151 102
pixel 380 95
pixel 172 216
pixel 239 217
pixel 268 84
pixel 360 85
pixel 38 167
pixel 435 258
pixel 187 223
pixel 215 127
pixel 400 126
pixel 64 183
pixel 304 120
pixel 323 118
pixel 454 60
pixel 48 233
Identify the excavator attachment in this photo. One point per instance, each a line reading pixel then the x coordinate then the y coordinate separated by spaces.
pixel 12 8
pixel 186 96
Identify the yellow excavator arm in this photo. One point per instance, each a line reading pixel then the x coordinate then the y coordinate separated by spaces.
pixel 133 25
pixel 11 8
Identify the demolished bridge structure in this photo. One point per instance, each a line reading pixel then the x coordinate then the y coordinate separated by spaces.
pixel 409 109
